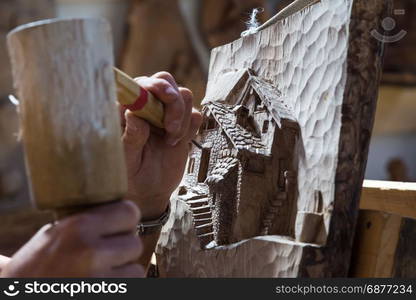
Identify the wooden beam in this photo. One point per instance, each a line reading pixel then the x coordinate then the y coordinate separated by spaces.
pixel 390 197
pixel 377 235
pixel 405 263
pixel 384 246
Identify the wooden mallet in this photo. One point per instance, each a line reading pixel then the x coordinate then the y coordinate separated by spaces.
pixel 64 77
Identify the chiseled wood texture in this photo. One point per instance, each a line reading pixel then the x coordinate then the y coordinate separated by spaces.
pixel 305 56
pixel 69 121
pixel 365 61
pixel 179 253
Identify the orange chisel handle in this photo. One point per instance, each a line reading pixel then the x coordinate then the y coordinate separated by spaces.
pixel 139 101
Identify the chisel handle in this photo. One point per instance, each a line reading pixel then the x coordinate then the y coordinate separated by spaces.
pixel 138 100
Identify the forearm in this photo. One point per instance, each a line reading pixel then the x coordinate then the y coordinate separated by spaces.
pixel 3 262
pixel 149 240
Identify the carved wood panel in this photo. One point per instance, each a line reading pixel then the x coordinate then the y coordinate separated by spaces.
pixel 315 60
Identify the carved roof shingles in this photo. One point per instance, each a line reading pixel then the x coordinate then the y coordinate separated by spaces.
pixel 241 138
pixel 221 169
pixel 240 82
pixel 270 95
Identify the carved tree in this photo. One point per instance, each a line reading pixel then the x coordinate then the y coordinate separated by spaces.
pixel 315 76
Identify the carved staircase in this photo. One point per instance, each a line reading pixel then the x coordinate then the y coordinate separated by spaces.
pixel 272 212
pixel 203 223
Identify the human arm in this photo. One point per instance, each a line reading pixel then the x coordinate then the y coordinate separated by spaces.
pixel 156 160
pixel 100 242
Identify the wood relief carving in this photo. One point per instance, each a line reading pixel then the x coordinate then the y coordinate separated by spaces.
pixel 249 138
pixel 275 184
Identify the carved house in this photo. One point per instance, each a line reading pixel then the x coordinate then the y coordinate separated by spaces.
pixel 246 170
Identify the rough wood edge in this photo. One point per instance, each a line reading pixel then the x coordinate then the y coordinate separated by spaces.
pixel 365 61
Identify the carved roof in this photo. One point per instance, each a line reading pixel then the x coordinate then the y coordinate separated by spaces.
pixel 225 85
pixel 270 95
pixel 241 138
pixel 239 83
pixel 220 170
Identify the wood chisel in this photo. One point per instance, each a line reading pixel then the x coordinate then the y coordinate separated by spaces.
pixel 139 101
pixel 136 99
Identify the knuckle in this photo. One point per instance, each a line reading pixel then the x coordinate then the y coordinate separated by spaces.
pixel 186 93
pixel 158 84
pixel 130 211
pixel 165 75
pixel 141 79
pixel 188 102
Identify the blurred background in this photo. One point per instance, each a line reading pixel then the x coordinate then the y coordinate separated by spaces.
pixel 177 36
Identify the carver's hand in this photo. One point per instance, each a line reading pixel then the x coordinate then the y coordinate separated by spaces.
pixel 100 242
pixel 155 162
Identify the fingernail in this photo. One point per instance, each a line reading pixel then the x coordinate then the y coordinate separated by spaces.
pixel 172 92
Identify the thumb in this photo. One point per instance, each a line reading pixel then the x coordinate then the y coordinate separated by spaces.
pixel 135 136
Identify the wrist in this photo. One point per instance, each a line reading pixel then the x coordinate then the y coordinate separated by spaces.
pixel 153 214
pixel 153 208
pixel 152 226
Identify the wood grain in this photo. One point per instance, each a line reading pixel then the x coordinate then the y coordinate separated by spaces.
pixel 70 125
pixel 389 196
pixel 365 59
pixel 384 246
pixel 375 246
pixel 405 264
